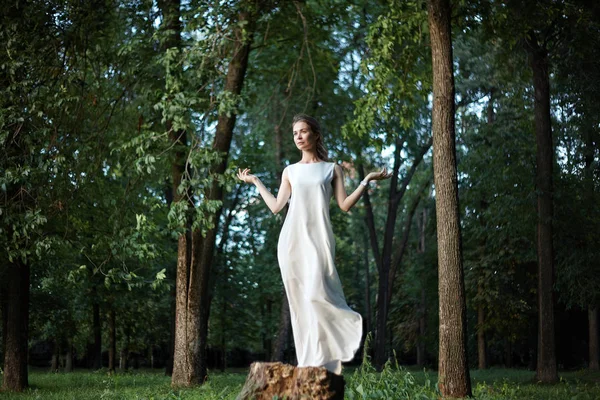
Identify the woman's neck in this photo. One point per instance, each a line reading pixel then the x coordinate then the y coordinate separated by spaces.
pixel 309 157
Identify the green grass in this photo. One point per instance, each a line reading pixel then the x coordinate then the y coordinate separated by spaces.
pixel 361 383
pixel 137 385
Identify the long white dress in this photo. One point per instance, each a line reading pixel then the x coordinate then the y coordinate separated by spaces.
pixel 326 331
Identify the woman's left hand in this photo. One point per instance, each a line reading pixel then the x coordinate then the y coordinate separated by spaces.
pixel 378 176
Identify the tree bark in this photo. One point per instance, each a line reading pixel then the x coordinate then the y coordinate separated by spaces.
pixel 16 332
pixel 546 362
pixel 97 328
pixel 593 337
pixel 112 344
pixel 268 381
pixel 223 335
pixel 171 274
pixel 454 379
pixel 3 308
pixel 481 344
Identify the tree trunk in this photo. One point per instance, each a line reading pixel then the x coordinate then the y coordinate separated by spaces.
pixel 593 337
pixel 546 362
pixel 223 333
pixel 268 381
pixel 402 246
pixel 112 344
pixel 185 349
pixel 481 344
pixel 454 379
pixel 69 356
pixel 151 355
pixel 370 220
pixel 16 332
pixel 55 355
pixel 368 313
pixel 97 328
pixel 387 265
pixel 124 354
pixel 171 274
pixel 3 309
pixel 381 355
pixel 372 238
pixel 193 291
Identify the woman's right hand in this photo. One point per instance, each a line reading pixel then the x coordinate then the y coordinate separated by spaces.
pixel 246 176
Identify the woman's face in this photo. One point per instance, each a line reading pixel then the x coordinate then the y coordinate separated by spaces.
pixel 303 137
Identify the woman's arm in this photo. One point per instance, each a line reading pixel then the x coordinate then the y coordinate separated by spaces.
pixel 347 202
pixel 274 204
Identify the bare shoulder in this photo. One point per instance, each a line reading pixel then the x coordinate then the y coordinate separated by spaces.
pixel 337 169
pixel 285 173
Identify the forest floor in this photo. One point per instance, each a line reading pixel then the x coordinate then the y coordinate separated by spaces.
pixel 363 383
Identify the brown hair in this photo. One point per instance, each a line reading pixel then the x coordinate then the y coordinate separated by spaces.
pixel 315 128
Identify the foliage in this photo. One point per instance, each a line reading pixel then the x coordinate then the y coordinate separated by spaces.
pixel 392 382
pixel 398 69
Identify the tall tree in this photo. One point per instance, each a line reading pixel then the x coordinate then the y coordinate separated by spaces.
pixel 396 97
pixel 21 213
pixel 193 291
pixel 184 323
pixel 454 379
pixel 539 63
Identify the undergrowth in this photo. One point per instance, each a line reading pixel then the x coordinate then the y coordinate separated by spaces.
pixel 393 382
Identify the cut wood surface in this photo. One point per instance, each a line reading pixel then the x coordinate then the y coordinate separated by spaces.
pixel 283 381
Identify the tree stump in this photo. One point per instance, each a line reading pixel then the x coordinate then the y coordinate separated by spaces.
pixel 281 381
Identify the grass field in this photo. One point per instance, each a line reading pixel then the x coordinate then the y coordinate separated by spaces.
pixel 363 383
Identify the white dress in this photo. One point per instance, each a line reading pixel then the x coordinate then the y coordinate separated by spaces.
pixel 326 331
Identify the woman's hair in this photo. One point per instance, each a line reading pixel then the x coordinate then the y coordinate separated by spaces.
pixel 316 129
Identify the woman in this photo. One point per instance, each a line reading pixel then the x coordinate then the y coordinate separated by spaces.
pixel 326 331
